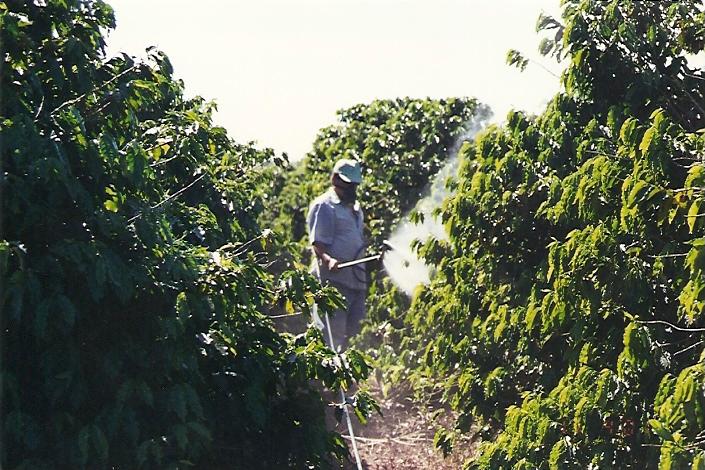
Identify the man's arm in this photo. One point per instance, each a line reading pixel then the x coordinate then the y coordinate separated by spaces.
pixel 321 222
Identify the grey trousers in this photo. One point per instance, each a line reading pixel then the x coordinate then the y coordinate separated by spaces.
pixel 345 324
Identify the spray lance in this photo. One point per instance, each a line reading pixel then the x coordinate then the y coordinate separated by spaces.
pixel 386 246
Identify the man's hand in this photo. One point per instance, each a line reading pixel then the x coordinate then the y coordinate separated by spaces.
pixel 332 263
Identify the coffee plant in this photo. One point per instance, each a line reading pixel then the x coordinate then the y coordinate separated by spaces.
pixel 133 272
pixel 566 316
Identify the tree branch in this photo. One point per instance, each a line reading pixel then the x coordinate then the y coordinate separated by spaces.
pixel 671 325
pixel 168 199
pixel 688 348
pixel 101 86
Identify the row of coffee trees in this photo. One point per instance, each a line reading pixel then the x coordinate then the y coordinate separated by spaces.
pixel 133 270
pixel 566 316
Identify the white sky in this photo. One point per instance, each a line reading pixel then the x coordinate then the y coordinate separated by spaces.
pixel 279 69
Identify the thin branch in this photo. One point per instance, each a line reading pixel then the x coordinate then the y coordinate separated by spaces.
pixel 683 190
pixel 101 86
pixel 672 255
pixel 678 113
pixel 692 76
pixel 687 167
pixel 689 348
pixel 671 325
pixel 694 445
pixel 398 440
pixel 681 85
pixel 168 199
pixel 39 109
pixel 241 248
pixel 295 314
pixel 167 160
pixel 164 161
pixel 270 264
pixel 141 136
pixel 265 290
pixel 96 111
pixel 180 191
pixel 672 343
pixel 543 67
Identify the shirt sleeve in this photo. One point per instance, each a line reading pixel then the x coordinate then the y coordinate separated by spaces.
pixel 321 224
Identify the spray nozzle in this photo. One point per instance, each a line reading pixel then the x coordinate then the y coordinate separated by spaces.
pixel 387 245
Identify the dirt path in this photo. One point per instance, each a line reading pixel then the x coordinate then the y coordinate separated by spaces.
pixel 402 439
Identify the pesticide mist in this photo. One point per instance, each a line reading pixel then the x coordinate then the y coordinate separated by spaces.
pixel 403 266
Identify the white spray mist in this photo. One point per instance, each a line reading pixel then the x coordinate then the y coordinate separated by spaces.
pixel 403 266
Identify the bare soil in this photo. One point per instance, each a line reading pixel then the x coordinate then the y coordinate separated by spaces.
pixel 402 439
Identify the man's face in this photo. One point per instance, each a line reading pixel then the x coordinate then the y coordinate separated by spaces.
pixel 347 192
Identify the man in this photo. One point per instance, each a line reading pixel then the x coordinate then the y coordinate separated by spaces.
pixel 335 224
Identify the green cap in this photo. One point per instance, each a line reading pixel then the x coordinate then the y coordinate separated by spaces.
pixel 348 170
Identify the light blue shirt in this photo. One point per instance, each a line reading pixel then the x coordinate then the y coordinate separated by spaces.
pixel 340 229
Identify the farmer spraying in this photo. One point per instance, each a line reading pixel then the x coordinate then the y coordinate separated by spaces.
pixel 335 224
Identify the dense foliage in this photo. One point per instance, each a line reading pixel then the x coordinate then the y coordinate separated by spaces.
pixel 568 309
pixel 132 270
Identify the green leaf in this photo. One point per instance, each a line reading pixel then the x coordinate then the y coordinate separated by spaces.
pixel 443 440
pixel 638 193
pixel 627 131
pixel 660 430
pixel 111 205
pixel 693 214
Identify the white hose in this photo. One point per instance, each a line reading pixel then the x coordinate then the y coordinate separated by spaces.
pixel 342 393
